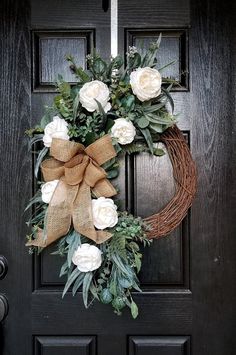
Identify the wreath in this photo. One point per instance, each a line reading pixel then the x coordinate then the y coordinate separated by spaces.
pixel 112 110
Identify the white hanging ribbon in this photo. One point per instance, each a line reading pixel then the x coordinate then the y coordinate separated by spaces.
pixel 114 28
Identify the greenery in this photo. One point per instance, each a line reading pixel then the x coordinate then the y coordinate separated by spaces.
pixel 112 283
pixel 150 118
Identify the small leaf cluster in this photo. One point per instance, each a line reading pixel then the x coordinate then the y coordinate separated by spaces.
pixel 113 282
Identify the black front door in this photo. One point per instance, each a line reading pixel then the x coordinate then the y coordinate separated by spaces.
pixel 188 277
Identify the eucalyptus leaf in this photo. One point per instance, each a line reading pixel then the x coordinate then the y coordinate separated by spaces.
pixel 64 268
pixel 138 263
pixel 113 288
pixel 37 199
pixel 136 287
pixel 90 138
pixel 157 119
pixel 109 164
pixel 86 284
pixel 110 122
pixel 167 65
pixel 64 88
pixel 75 273
pixel 112 174
pixel 106 296
pixel 143 122
pixel 130 102
pixel 159 152
pixel 78 283
pixel 73 245
pixel 94 291
pixel 154 108
pixel 158 128
pixel 39 160
pixel 75 106
pixel 101 110
pixel 158 42
pixel 147 135
pixel 169 97
pixel 99 66
pixel 46 119
pixel 35 139
pixel 134 61
pixel 117 260
pixel 79 71
pixel 124 282
pixel 134 310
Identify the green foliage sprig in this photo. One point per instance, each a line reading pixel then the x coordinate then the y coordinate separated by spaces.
pixel 113 282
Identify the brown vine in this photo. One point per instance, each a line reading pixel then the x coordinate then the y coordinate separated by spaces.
pixel 184 172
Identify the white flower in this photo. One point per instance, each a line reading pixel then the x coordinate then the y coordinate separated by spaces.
pixel 145 83
pixel 58 128
pixel 48 189
pixel 94 90
pixel 87 257
pixel 104 213
pixel 123 130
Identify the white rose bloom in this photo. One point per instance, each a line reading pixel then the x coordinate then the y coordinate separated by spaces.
pixel 58 128
pixel 87 257
pixel 123 130
pixel 48 189
pixel 94 90
pixel 104 213
pixel 146 83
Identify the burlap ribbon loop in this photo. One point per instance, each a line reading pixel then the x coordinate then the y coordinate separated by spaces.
pixel 78 170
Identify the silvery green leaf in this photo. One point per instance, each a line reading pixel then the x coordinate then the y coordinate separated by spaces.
pixel 35 139
pixel 35 199
pixel 159 152
pixel 157 119
pixel 159 128
pixel 75 106
pixel 112 174
pixel 78 283
pixel 169 97
pixel 147 135
pixel 134 310
pixel 143 122
pixel 70 280
pixel 167 65
pixel 136 287
pixel 39 160
pixel 117 260
pixel 73 245
pixel 154 108
pixel 86 285
pixel 64 268
pixel 45 120
pixel 137 262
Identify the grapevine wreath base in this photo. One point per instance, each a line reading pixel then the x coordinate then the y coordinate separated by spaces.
pixel 184 172
pixel 111 111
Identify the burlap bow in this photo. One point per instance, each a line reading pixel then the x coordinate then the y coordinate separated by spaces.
pixel 78 170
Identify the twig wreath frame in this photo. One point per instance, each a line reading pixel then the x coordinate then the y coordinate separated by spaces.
pixel 109 112
pixel 184 173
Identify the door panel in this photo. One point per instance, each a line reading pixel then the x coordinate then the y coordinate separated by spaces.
pixel 55 345
pixel 187 277
pixel 159 345
pixel 174 47
pixel 50 49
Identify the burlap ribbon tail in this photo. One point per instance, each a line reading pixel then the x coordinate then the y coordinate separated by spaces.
pixel 79 171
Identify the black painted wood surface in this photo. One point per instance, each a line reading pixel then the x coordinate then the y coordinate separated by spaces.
pixel 188 303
